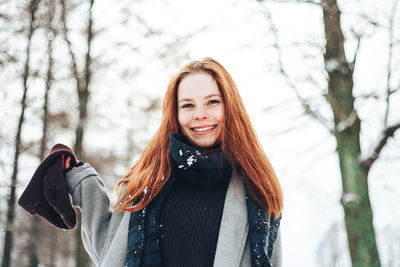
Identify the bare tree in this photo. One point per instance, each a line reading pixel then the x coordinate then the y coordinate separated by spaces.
pixel 82 79
pixel 38 226
pixel 355 199
pixel 8 238
pixel 346 128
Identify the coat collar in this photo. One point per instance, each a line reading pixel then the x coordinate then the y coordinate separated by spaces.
pixel 234 225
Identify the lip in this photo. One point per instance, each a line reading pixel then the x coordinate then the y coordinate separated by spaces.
pixel 204 132
pixel 202 126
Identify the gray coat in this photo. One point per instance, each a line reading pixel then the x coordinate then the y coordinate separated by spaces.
pixel 105 231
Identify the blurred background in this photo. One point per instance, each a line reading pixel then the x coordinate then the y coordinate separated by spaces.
pixel 320 80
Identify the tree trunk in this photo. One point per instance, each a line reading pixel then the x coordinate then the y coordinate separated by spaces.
pixel 355 197
pixel 33 257
pixel 8 238
pixel 37 225
pixel 33 239
pixel 82 86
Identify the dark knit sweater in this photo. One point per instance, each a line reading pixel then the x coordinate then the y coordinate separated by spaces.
pixel 189 223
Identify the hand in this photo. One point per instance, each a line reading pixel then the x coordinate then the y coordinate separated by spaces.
pixel 66 163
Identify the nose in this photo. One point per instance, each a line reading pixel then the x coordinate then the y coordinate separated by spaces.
pixel 200 114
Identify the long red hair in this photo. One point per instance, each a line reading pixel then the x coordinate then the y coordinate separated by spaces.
pixel 239 143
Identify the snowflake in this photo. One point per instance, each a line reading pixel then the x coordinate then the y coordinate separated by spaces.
pixel 190 160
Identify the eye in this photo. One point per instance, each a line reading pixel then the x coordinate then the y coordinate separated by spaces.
pixel 187 106
pixel 214 101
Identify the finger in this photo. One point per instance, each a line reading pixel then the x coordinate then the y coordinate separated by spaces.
pixel 67 162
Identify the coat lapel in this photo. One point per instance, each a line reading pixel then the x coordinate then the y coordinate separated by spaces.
pixel 234 226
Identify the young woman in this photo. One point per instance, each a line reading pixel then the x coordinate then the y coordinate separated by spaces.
pixel 203 192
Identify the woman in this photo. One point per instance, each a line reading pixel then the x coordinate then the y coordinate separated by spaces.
pixel 203 192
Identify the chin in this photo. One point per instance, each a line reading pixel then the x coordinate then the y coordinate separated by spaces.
pixel 207 145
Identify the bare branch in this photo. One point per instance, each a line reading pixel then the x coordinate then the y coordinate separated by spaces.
pixel 370 21
pixel 369 96
pixel 304 102
pixel 5 17
pixel 88 58
pixel 149 30
pixel 358 37
pixel 6 57
pixel 395 90
pixel 389 65
pixel 51 34
pixel 74 66
pixel 387 133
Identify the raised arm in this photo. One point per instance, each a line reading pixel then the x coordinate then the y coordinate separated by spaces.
pixel 89 195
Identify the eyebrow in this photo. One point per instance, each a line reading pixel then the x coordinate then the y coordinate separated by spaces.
pixel 190 99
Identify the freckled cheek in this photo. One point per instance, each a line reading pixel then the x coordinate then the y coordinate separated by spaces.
pixel 184 119
pixel 220 115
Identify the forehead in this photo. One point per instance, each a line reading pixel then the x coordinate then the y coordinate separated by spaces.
pixel 197 85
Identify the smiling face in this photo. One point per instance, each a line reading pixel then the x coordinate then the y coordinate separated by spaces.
pixel 200 109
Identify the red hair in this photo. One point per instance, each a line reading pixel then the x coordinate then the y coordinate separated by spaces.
pixel 239 143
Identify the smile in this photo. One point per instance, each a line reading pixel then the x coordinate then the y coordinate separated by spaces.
pixel 203 129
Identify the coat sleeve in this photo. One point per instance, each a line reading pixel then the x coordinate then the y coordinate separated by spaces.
pixel 89 195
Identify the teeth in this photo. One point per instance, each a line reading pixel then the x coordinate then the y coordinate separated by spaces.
pixel 203 129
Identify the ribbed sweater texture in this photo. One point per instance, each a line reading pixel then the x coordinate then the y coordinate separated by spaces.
pixel 189 223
